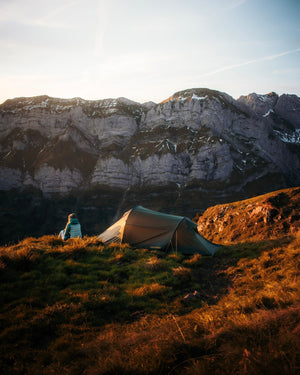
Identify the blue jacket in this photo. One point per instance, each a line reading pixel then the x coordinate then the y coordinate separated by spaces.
pixel 73 229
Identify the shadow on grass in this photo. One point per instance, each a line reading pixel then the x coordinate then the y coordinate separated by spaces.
pixel 250 249
pixel 64 308
pixel 211 272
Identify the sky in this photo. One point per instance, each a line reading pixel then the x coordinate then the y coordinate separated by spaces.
pixel 148 50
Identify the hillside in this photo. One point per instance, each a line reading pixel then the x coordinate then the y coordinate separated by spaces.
pixel 78 307
pixel 263 217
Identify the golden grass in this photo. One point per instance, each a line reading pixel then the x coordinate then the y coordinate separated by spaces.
pixel 182 273
pixel 118 257
pixel 145 290
pixel 176 256
pixel 153 263
pixel 253 329
pixel 194 260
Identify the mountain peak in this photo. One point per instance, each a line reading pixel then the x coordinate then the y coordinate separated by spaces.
pixel 196 94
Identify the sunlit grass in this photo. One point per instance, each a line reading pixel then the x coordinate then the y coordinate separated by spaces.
pixel 81 307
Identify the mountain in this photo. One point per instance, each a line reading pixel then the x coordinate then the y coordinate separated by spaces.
pixel 197 148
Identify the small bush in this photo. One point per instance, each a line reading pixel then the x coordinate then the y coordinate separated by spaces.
pixel 178 257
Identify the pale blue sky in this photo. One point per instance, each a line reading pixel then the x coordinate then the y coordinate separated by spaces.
pixel 147 50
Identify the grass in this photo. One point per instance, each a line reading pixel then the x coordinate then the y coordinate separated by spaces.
pixel 252 329
pixel 79 307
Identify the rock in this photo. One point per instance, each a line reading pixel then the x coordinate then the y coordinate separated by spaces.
pixel 51 180
pixel 10 178
pixel 199 145
pixel 262 105
pixel 288 107
pixel 260 218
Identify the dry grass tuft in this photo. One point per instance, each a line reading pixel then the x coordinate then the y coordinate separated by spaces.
pixel 153 263
pixel 195 260
pixel 118 246
pixel 145 290
pixel 118 258
pixel 182 273
pixel 176 256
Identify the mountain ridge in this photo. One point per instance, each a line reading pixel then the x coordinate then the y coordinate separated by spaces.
pixel 198 148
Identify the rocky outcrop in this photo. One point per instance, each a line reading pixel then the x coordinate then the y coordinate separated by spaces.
pixel 199 145
pixel 265 217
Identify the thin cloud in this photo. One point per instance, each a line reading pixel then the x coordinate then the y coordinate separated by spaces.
pixel 234 66
pixel 12 13
pixel 237 3
pixel 43 21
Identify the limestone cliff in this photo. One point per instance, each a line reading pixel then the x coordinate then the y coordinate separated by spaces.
pixel 198 147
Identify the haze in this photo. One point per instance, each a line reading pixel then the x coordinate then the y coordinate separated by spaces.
pixel 147 50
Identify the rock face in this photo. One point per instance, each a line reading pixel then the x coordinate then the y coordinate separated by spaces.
pixel 199 147
pixel 264 217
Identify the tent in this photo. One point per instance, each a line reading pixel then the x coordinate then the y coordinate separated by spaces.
pixel 144 228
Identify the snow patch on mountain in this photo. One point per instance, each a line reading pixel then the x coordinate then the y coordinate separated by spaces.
pixel 289 137
pixel 268 113
pixel 196 97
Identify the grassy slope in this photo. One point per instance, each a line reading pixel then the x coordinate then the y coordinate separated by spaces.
pixel 78 307
pixel 266 216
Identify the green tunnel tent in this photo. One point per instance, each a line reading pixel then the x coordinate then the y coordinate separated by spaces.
pixel 144 228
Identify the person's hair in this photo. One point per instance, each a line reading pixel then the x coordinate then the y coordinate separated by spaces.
pixel 72 216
